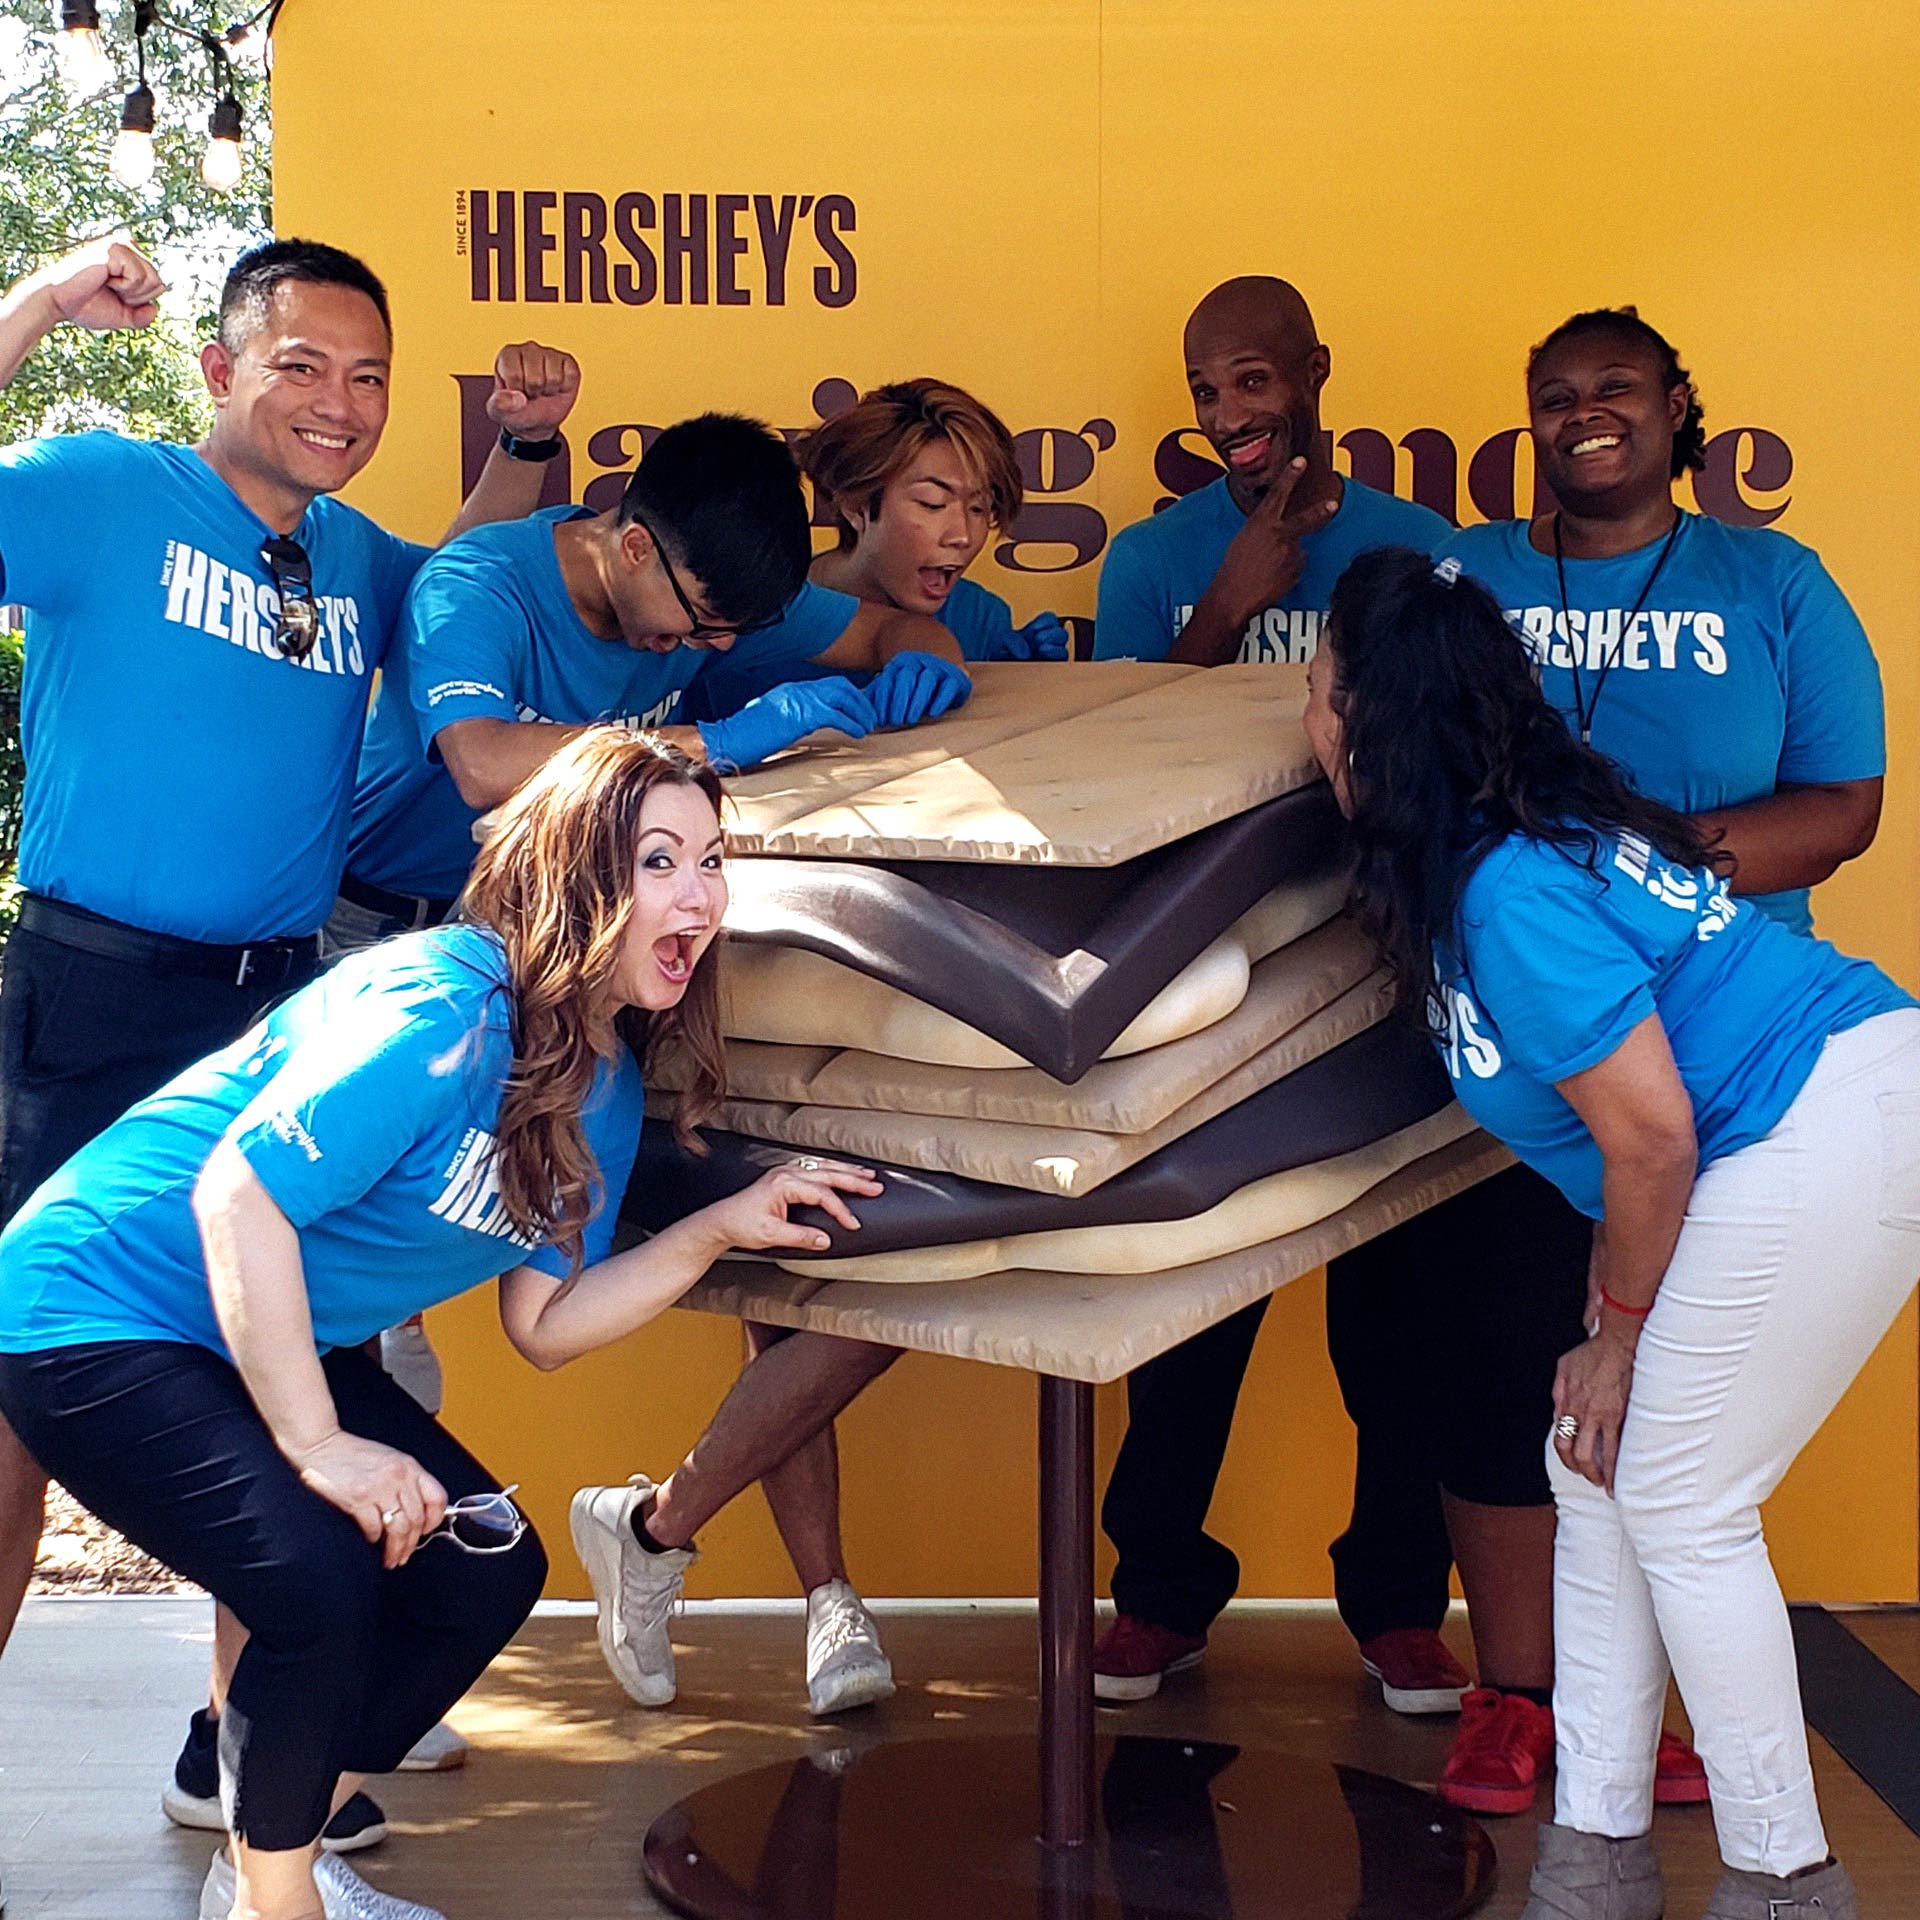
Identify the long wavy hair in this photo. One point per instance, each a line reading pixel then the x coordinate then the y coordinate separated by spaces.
pixel 1452 747
pixel 555 881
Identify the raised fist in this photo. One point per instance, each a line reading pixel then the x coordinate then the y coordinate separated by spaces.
pixel 534 388
pixel 104 285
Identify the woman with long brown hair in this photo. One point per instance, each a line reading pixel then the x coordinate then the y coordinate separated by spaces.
pixel 182 1306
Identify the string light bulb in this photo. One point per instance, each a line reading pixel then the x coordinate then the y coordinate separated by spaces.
pixel 132 161
pixel 221 164
pixel 84 67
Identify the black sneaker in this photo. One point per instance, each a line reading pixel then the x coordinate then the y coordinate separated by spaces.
pixel 192 1796
pixel 358 1825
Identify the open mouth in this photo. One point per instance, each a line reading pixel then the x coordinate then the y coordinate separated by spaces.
pixel 1594 443
pixel 937 582
pixel 673 954
pixel 1244 456
pixel 322 442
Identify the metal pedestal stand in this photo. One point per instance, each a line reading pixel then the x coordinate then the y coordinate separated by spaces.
pixel 1128 1828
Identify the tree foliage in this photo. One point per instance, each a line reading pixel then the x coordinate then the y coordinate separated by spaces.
pixel 56 192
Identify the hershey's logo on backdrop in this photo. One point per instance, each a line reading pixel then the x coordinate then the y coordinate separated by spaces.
pixel 526 244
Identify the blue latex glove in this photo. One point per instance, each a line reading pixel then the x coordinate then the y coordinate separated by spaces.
pixel 913 687
pixel 777 719
pixel 1044 637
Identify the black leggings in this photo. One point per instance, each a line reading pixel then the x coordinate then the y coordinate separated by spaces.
pixel 1445 1333
pixel 347 1664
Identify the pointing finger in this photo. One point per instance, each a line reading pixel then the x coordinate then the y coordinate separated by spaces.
pixel 1273 504
pixel 1311 519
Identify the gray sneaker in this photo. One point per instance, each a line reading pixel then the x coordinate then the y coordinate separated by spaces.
pixel 1585 1876
pixel 635 1590
pixel 1824 1894
pixel 846 1665
pixel 343 1894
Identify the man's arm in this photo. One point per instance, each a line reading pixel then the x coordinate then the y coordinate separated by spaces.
pixel 876 633
pixel 490 758
pixel 1263 565
pixel 534 388
pixel 102 286
pixel 1797 837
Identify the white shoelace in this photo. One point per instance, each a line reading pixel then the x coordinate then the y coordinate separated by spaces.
pixel 844 1624
pixel 643 1595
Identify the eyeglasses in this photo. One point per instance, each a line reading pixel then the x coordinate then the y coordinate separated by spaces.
pixel 298 624
pixel 698 629
pixel 482 1522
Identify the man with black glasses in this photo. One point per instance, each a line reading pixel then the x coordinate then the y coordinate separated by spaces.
pixel 516 638
pixel 204 624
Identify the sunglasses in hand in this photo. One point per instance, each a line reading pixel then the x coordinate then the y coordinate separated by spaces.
pixel 482 1522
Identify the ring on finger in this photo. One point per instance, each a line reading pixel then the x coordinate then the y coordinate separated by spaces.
pixel 1566 1428
pixel 389 1516
pixel 807 1166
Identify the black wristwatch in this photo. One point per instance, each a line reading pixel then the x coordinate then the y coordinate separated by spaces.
pixel 534 452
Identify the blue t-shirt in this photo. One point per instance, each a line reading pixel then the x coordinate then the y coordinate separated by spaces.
pixel 1156 571
pixel 979 619
pixel 367 1106
pixel 490 633
pixel 1746 672
pixel 1553 966
pixel 182 774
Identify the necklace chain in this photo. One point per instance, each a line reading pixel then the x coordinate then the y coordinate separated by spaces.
pixel 1583 708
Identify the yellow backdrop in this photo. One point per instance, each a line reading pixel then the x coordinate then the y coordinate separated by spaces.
pixel 748 204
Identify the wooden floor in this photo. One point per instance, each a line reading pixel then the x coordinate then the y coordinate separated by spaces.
pixel 547 1818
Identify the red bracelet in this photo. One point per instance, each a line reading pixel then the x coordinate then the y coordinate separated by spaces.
pixel 1620 1306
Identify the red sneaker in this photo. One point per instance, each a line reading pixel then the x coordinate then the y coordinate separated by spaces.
pixel 1679 1776
pixel 1499 1754
pixel 1133 1656
pixel 1416 1672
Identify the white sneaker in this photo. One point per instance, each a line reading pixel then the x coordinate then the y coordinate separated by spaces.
pixel 408 1358
pixel 635 1589
pixel 438 1750
pixel 846 1666
pixel 343 1894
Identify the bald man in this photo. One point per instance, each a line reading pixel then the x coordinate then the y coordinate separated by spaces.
pixel 1243 569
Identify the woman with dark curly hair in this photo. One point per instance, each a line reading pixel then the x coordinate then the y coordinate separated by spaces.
pixel 183 1305
pixel 1738 1109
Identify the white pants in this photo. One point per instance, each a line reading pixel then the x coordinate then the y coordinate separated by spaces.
pixel 1796 1254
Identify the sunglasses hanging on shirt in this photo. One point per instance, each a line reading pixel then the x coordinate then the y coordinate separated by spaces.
pixel 298 624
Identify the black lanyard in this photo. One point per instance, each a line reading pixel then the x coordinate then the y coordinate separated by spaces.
pixel 1584 709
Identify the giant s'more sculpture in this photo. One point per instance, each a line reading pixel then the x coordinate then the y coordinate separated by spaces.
pixel 1071 968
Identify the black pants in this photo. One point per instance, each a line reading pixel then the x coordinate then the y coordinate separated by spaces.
pixel 347 1664
pixel 1444 1334
pixel 83 1037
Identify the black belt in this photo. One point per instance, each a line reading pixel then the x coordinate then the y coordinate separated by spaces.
pixel 415 909
pixel 265 964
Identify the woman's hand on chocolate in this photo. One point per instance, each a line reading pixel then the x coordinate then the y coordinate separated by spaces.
pixel 757 1217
